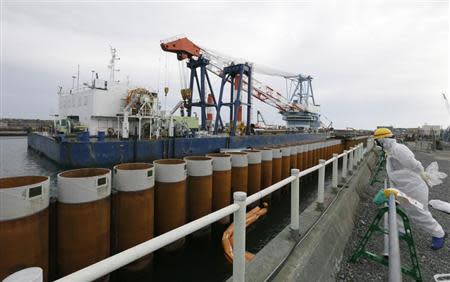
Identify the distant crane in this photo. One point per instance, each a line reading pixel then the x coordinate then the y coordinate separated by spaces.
pixel 330 123
pixel 446 134
pixel 238 73
pixel 447 105
pixel 260 120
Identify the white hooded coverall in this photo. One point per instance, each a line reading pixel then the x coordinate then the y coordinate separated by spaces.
pixel 405 173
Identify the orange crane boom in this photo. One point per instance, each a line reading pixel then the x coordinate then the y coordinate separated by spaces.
pixel 183 47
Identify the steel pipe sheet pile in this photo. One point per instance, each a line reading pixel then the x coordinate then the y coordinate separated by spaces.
pixel 255 171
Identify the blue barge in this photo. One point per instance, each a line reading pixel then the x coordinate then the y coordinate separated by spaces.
pixel 75 154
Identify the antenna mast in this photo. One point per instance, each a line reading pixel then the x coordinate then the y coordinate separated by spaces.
pixel 447 105
pixel 78 78
pixel 112 63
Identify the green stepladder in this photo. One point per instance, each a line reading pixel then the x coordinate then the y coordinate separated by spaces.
pixel 381 164
pixel 414 269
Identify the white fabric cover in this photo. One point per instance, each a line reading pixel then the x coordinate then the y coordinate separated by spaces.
pixel 405 173
pixel 440 205
pixel 433 176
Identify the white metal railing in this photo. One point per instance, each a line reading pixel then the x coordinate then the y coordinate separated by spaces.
pixel 395 272
pixel 238 209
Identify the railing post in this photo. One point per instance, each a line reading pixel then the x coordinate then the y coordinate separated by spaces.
pixel 239 237
pixel 360 152
pixel 344 165
pixel 356 155
pixel 334 179
pixel 386 227
pixel 350 161
pixel 295 201
pixel 395 273
pixel 321 185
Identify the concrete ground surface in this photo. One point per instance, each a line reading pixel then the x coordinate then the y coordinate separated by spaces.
pixel 431 262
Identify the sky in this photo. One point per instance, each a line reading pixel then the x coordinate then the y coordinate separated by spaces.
pixel 373 62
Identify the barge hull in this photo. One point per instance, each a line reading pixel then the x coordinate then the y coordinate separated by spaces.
pixel 76 154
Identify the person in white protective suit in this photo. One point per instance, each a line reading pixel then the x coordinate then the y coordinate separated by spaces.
pixel 408 175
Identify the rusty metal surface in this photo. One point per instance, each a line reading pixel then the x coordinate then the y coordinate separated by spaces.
pixel 221 196
pixel 239 179
pixel 200 196
pixel 254 178
pixel 133 222
pixel 276 170
pixel 24 243
pixel 308 159
pixel 300 161
pixel 315 157
pixel 285 166
pixel 170 209
pixel 266 177
pixel 83 234
pixel 266 174
pixel 294 161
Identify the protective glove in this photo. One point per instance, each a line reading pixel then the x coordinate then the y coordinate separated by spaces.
pixel 434 176
pixel 380 198
pixel 426 178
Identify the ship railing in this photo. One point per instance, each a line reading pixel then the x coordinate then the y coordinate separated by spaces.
pixel 351 158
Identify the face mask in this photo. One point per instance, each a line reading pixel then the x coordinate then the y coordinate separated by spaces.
pixel 379 143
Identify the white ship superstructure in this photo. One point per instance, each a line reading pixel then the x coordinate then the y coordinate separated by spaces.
pixel 110 106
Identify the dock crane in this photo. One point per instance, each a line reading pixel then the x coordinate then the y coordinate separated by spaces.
pixel 447 105
pixel 239 74
pixel 446 135
pixel 260 119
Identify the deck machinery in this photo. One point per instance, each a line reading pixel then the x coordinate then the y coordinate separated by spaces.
pixel 299 109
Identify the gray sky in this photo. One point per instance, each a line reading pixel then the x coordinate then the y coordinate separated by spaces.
pixel 373 62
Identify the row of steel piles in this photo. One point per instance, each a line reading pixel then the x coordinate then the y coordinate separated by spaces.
pixel 148 200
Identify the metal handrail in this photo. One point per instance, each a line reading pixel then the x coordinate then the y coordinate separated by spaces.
pixel 238 208
pixel 395 273
pixel 123 258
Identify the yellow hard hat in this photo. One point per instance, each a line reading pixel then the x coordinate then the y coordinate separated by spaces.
pixel 382 132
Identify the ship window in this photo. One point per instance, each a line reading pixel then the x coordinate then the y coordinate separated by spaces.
pixel 150 173
pixel 101 181
pixel 35 191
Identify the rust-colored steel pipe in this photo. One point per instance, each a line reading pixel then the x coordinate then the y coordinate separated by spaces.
pixel 170 198
pixel 24 224
pixel 285 162
pixel 133 208
pixel 293 157
pixel 276 165
pixel 221 196
pixel 300 157
pixel 83 218
pixel 266 167
pixel 239 172
pixel 254 171
pixel 199 170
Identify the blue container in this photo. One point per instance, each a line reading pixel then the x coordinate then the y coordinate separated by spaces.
pixel 83 136
pixel 101 136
